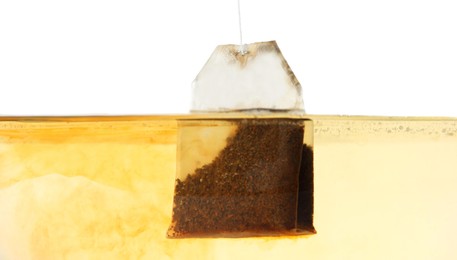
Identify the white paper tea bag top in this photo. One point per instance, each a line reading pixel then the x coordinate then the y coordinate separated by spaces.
pixel 256 79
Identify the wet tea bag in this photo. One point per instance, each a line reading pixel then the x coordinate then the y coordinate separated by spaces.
pixel 248 175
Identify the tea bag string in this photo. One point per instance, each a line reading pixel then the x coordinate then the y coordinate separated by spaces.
pixel 242 49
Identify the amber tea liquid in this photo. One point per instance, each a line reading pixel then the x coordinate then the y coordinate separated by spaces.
pixel 102 188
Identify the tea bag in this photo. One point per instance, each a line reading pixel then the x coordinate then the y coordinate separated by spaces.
pixel 254 76
pixel 244 176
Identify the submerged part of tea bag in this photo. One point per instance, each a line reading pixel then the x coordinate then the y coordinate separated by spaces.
pixel 259 183
pixel 256 78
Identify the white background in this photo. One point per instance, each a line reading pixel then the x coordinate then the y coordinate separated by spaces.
pixel 389 57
